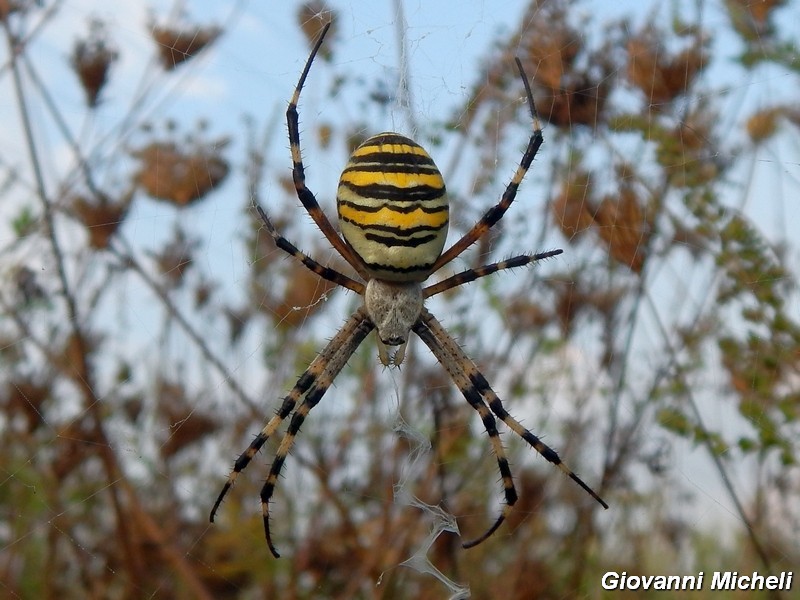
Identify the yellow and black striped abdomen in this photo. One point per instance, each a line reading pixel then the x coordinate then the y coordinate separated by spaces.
pixel 393 208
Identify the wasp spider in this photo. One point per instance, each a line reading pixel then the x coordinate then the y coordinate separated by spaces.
pixel 393 213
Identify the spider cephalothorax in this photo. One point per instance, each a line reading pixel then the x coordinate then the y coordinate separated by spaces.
pixel 393 214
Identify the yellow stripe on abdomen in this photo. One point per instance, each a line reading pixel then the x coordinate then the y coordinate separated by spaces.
pixel 393 208
pixel 405 181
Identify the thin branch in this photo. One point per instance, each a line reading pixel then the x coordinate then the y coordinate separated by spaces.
pixel 128 260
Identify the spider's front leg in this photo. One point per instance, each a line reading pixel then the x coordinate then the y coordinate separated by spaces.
pixel 441 345
pixel 289 402
pixel 312 398
pixel 479 394
pixel 331 361
pixel 323 368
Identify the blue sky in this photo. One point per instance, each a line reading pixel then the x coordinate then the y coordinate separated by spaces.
pixel 253 69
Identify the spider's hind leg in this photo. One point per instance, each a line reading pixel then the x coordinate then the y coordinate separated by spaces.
pixel 326 273
pixel 496 212
pixel 305 195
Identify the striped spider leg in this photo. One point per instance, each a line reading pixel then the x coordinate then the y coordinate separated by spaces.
pixel 478 393
pixel 394 213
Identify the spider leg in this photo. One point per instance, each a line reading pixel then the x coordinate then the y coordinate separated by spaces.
pixel 332 358
pixel 305 195
pixel 494 214
pixel 546 451
pixel 473 274
pixel 298 418
pixel 324 272
pixel 442 347
pixel 325 366
pixel 471 382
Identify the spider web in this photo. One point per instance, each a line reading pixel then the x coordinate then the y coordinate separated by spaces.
pixel 135 367
pixel 441 520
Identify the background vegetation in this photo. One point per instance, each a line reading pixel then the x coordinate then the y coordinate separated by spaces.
pixel 660 354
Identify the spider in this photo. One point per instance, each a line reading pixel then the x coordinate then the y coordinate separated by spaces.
pixel 393 214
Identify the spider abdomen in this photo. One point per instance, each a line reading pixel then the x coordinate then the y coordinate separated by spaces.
pixel 393 207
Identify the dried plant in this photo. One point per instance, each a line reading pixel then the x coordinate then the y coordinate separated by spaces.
pixel 181 172
pixel 92 59
pixel 178 44
pixel 131 366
